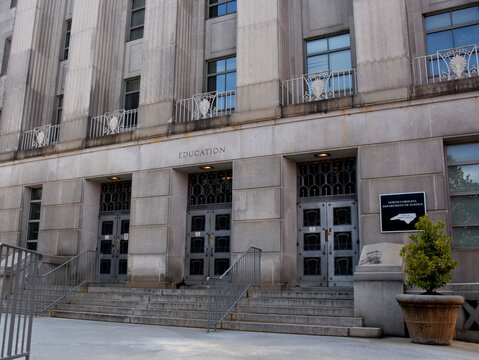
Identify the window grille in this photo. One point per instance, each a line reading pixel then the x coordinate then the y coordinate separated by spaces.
pixel 210 188
pixel 327 178
pixel 115 196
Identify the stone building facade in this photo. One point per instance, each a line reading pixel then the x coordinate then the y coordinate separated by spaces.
pixel 173 135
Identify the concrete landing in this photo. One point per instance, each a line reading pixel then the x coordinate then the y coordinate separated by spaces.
pixel 60 339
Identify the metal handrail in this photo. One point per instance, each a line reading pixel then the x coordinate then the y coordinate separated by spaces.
pixel 205 106
pixel 58 283
pixel 225 291
pixel 18 270
pixel 40 136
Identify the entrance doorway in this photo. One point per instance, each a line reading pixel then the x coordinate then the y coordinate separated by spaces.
pixel 208 227
pixel 327 243
pixel 113 232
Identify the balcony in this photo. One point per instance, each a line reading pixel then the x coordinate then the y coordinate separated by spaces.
pixel 318 86
pixel 446 65
pixel 115 122
pixel 205 106
pixel 40 137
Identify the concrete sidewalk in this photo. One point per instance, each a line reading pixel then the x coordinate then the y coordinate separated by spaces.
pixel 61 339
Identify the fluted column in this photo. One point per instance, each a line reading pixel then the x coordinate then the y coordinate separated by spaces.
pixel 17 77
pixel 158 72
pixel 382 53
pixel 258 59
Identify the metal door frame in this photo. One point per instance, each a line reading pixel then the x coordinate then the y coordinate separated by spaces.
pixel 326 253
pixel 209 234
pixel 119 249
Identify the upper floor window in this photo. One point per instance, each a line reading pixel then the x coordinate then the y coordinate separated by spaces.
pixel 58 115
pixel 34 219
pixel 221 7
pixel 222 79
pixel 66 44
pixel 328 54
pixel 137 19
pixel 13 4
pixel 132 102
pixel 452 29
pixel 6 56
pixel 463 176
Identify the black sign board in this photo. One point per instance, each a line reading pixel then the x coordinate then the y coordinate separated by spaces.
pixel 400 212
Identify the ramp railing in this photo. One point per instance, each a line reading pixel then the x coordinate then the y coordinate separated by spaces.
pixel 58 283
pixel 18 284
pixel 226 290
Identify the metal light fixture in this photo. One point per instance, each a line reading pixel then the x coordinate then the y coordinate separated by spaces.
pixel 321 155
pixel 114 178
pixel 206 167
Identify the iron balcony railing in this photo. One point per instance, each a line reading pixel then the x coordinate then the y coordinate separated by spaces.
pixel 225 291
pixel 40 137
pixel 18 270
pixel 318 86
pixel 115 122
pixel 204 106
pixel 445 65
pixel 58 283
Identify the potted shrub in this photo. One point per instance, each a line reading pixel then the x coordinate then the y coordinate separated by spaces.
pixel 430 317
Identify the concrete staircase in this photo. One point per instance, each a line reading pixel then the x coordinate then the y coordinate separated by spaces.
pixel 326 311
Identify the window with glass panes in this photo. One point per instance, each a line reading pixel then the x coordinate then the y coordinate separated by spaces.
pixel 452 29
pixel 463 178
pixel 6 56
pixel 332 55
pixel 221 7
pixel 222 78
pixel 137 19
pixel 34 219
pixel 58 115
pixel 66 46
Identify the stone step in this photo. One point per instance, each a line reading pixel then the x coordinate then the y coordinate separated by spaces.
pixel 345 295
pixel 302 329
pixel 296 310
pixel 141 297
pixel 294 319
pixel 164 321
pixel 140 291
pixel 297 302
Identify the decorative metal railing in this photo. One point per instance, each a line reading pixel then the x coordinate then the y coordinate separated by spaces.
pixel 445 65
pixel 225 291
pixel 115 122
pixel 318 86
pixel 18 270
pixel 58 283
pixel 204 106
pixel 40 137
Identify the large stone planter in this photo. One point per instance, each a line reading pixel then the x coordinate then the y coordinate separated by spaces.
pixel 430 319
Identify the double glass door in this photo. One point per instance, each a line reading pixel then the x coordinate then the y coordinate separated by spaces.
pixel 327 243
pixel 208 244
pixel 113 246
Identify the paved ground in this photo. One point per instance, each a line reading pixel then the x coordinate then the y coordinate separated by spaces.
pixel 55 339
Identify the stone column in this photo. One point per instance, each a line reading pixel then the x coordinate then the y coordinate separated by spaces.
pixel 382 50
pixel 147 256
pixel 257 214
pixel 10 214
pixel 158 71
pixel 81 70
pixel 259 59
pixel 17 77
pixel 60 218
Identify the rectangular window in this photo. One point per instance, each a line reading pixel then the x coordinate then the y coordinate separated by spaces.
pixel 222 78
pixel 6 56
pixel 221 7
pixel 137 19
pixel 34 219
pixel 66 45
pixel 132 102
pixel 329 58
pixel 13 4
pixel 463 178
pixel 58 115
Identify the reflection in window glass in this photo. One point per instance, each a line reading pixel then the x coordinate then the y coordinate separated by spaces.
pixel 221 7
pixel 463 178
pixel 332 53
pixel 222 78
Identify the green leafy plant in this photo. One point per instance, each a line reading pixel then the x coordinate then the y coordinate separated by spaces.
pixel 428 257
